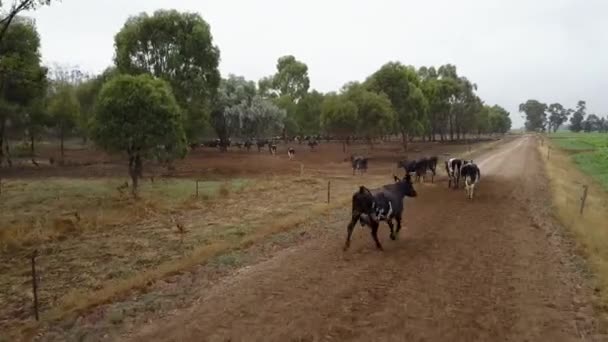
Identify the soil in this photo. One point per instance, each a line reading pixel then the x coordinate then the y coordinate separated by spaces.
pixel 497 268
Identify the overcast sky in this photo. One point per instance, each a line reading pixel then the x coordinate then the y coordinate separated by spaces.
pixel 551 50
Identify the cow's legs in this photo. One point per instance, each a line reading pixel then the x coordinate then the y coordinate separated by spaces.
pixel 350 228
pixel 375 226
pixel 389 221
pixel 398 219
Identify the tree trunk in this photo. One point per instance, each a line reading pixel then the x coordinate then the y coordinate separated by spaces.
pixel 451 129
pixel 405 138
pixel 2 125
pixel 135 171
pixel 32 147
pixel 61 137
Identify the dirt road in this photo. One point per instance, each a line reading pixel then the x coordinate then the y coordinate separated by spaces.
pixel 494 269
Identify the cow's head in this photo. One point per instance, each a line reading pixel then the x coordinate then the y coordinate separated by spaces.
pixel 406 186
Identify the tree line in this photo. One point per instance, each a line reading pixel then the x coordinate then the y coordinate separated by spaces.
pixel 541 117
pixel 164 91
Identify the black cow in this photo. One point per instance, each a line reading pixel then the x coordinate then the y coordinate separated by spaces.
pixel 409 166
pixel 384 204
pixel 261 143
pixel 291 153
pixel 312 144
pixel 248 144
pixel 471 175
pixel 452 168
pixel 359 163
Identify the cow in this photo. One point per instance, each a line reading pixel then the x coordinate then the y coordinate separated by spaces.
pixel 312 144
pixel 452 168
pixel 248 145
pixel 384 204
pixel 272 148
pixel 471 174
pixel 359 163
pixel 409 166
pixel 261 143
pixel 291 153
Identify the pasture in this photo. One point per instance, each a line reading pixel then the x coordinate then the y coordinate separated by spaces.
pixel 118 244
pixel 589 151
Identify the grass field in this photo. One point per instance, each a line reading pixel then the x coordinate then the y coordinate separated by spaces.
pixel 589 151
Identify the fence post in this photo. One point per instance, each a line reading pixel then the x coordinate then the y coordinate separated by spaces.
pixel 584 198
pixel 328 190
pixel 35 283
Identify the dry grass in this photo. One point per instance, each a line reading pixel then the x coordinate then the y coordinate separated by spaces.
pixel 590 229
pixel 96 266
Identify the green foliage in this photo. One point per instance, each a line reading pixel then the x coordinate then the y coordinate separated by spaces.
pixel 576 121
pixel 177 47
pixel 234 91
pixel 258 118
pixel 140 116
pixel 21 77
pixel 339 116
pixel 308 113
pixel 375 112
pixel 291 79
pixel 17 7
pixel 557 116
pixel 401 84
pixel 536 115
pixel 64 109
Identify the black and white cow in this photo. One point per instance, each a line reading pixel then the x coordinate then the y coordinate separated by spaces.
pixel 291 153
pixel 452 168
pixel 359 163
pixel 272 148
pixel 471 175
pixel 370 207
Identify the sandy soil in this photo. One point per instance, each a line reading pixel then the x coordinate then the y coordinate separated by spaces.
pixel 492 269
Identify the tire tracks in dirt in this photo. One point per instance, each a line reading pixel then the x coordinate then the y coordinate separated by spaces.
pixel 461 271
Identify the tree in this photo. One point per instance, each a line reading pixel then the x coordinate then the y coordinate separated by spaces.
pixel 291 79
pixel 233 91
pixel 592 124
pixel 536 116
pixel 22 78
pixel 308 113
pixel 258 118
pixel 140 116
pixel 500 122
pixel 339 116
pixel 64 110
pixel 400 84
pixel 177 47
pixel 557 116
pixel 576 121
pixel 375 112
pixel 16 8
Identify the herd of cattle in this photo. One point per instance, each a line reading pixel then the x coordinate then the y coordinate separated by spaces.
pixel 370 207
pixel 311 141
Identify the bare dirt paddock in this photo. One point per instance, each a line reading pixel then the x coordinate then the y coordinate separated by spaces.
pixel 209 162
pixel 261 257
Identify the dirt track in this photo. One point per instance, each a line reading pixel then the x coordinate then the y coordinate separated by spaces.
pixel 489 270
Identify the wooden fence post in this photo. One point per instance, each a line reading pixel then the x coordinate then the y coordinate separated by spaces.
pixel 584 198
pixel 328 190
pixel 35 284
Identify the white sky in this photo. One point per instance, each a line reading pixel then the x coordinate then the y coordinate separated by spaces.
pixel 551 50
